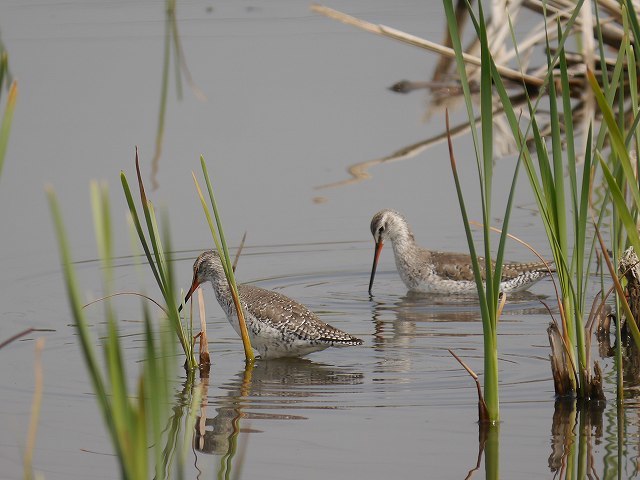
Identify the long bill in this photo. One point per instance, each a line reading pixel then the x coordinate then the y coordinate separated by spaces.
pixel 376 256
pixel 194 286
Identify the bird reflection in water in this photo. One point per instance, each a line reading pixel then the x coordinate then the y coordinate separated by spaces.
pixel 402 323
pixel 265 392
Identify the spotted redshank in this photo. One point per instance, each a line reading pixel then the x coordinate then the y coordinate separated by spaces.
pixel 430 271
pixel 277 325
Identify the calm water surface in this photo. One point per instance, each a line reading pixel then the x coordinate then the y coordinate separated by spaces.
pixel 293 99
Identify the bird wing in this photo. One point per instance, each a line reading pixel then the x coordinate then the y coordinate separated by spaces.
pixel 283 313
pixel 513 270
pixel 458 266
pixel 455 266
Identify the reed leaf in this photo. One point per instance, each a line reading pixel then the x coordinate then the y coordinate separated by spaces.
pixel 489 290
pixel 133 418
pixel 5 128
pixel 223 251
pixel 159 260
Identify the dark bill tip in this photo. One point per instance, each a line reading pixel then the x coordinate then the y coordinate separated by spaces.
pixel 194 285
pixel 376 256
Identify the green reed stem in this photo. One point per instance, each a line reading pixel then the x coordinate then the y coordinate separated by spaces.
pixel 133 417
pixel 489 289
pixel 221 245
pixel 5 128
pixel 159 260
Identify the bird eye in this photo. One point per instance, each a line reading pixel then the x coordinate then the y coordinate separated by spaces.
pixel 381 229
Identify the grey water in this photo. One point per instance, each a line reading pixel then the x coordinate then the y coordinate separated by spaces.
pixel 292 100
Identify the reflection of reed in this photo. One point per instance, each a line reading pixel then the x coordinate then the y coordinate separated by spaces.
pixel 360 171
pixel 424 307
pixel 171 37
pixel 399 323
pixel 489 444
pixel 573 432
pixel 274 385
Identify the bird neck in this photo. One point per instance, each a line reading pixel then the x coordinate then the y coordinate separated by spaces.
pixel 402 239
pixel 218 280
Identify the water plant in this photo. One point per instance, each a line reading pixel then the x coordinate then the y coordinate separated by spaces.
pixel 563 209
pixel 566 227
pixel 620 176
pixel 12 85
pixel 489 294
pixel 217 233
pixel 159 260
pixel 133 416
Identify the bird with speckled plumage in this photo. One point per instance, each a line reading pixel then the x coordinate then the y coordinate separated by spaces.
pixel 278 326
pixel 430 271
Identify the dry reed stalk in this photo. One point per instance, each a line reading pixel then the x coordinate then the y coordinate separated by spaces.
pixel 561 365
pixel 390 32
pixel 483 414
pixel 629 266
pixel 205 358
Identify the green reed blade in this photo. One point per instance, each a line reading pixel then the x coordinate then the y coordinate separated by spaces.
pixel 456 44
pixel 631 322
pixel 486 128
pixel 153 401
pixel 136 222
pixel 84 336
pixel 227 258
pixel 207 214
pixel 629 11
pixel 621 206
pixel 152 228
pixel 228 266
pixel 5 128
pixel 616 137
pixel 102 227
pixel 4 67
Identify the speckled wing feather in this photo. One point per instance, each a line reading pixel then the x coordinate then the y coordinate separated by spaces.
pixel 513 270
pixel 457 266
pixel 454 266
pixel 286 314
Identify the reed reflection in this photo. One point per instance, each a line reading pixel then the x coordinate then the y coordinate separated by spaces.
pixel 265 391
pixel 574 431
pixel 396 318
pixel 489 447
pixel 403 323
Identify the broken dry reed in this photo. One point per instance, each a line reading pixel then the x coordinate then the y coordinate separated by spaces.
pixel 205 358
pixel 217 233
pixel 21 334
pixel 420 42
